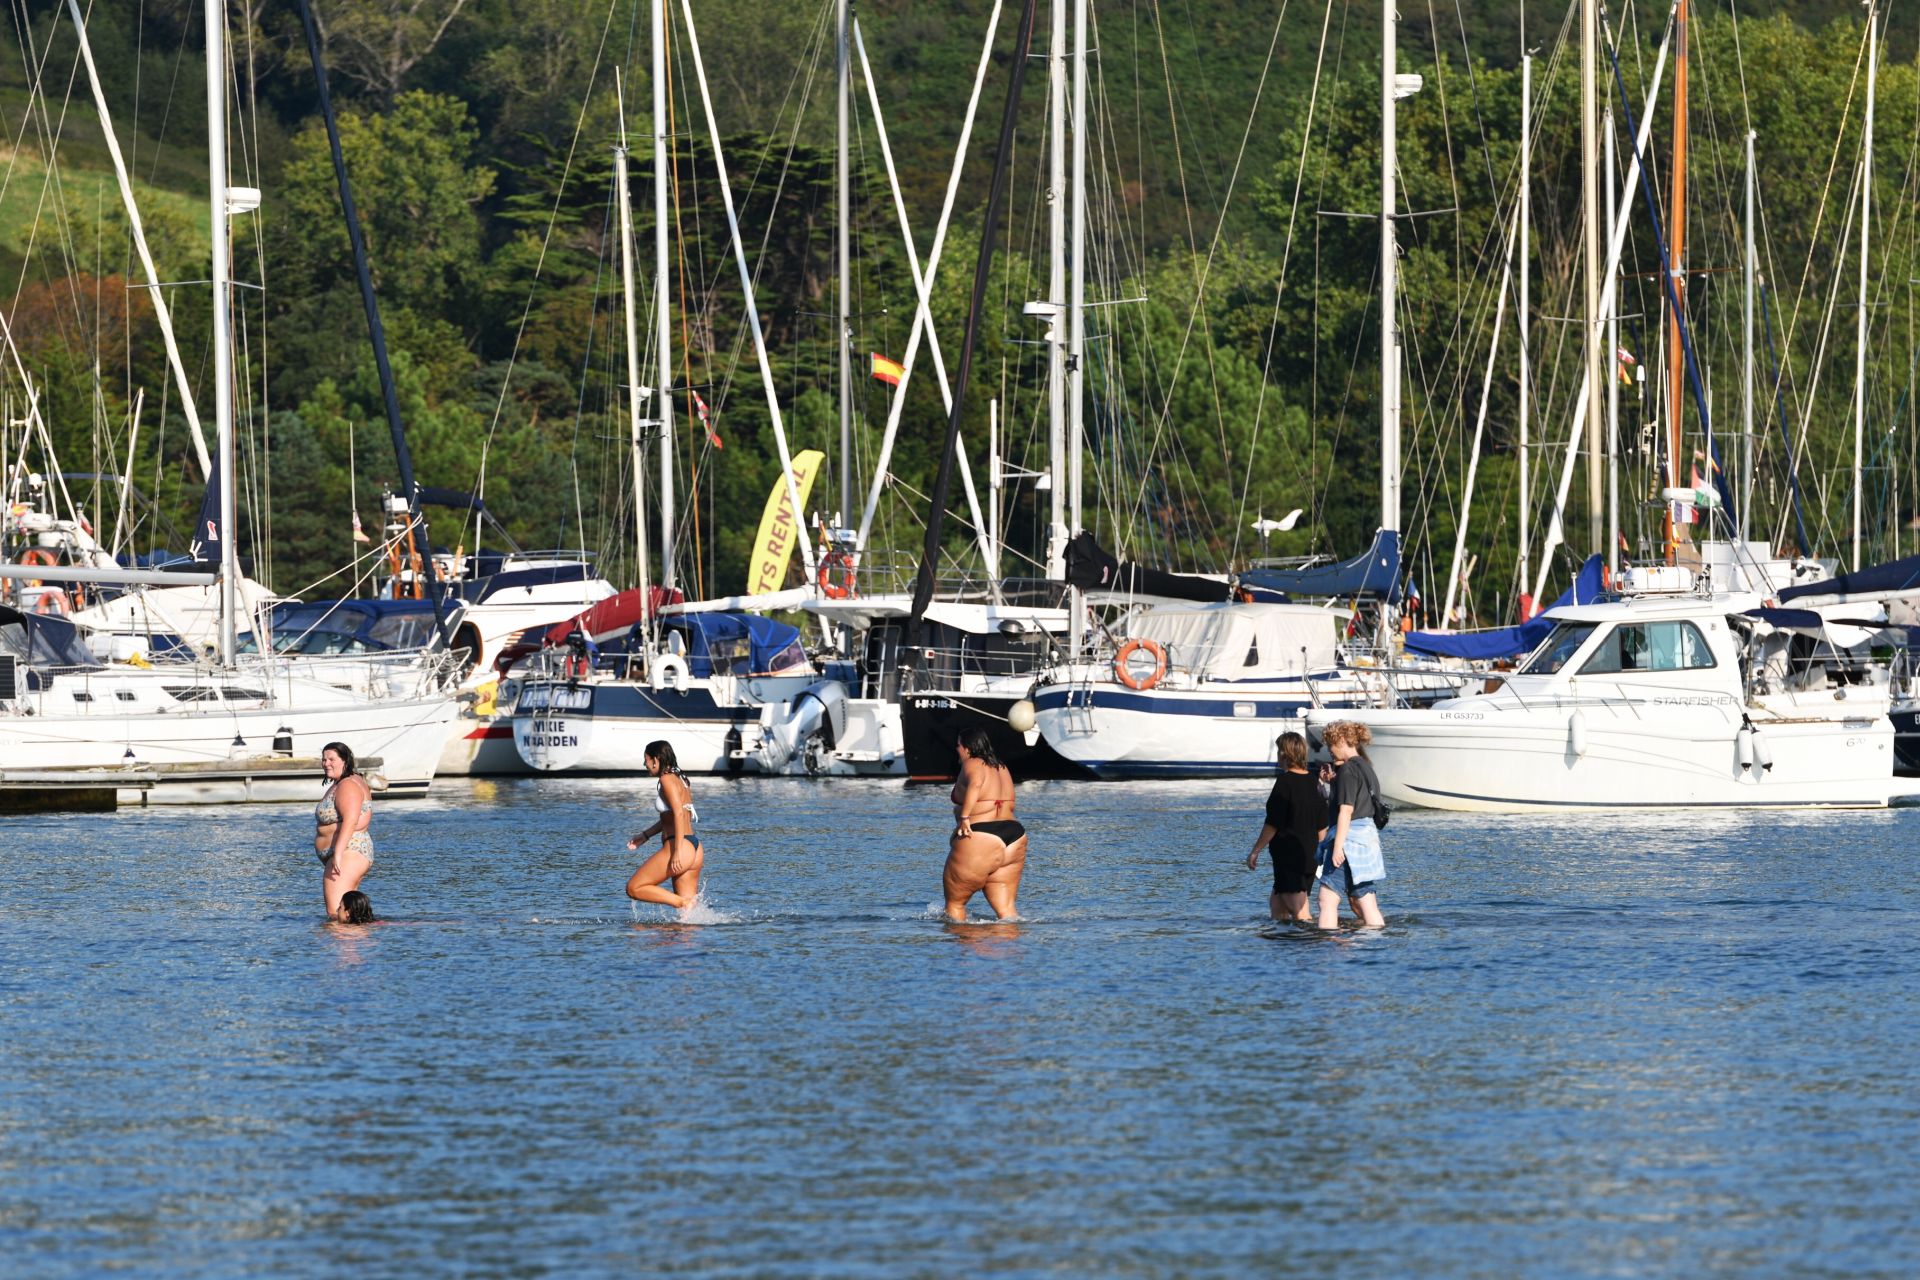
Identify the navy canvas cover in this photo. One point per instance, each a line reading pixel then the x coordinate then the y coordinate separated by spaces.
pixel 1374 573
pixel 1509 642
pixel 1892 578
pixel 739 643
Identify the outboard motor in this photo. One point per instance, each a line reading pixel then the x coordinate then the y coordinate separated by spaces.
pixel 820 707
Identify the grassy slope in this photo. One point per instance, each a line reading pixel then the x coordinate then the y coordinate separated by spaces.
pixel 38 217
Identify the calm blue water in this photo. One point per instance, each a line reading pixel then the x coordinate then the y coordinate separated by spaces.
pixel 1614 1046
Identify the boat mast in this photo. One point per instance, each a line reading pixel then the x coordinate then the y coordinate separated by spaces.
pixel 1526 307
pixel 1677 265
pixel 1866 210
pixel 1056 293
pixel 216 21
pixel 1076 312
pixel 1750 264
pixel 843 314
pixel 663 340
pixel 1590 219
pixel 1389 262
pixel 624 199
pixel 1613 358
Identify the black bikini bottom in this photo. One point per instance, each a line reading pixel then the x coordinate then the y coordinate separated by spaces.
pixel 1007 832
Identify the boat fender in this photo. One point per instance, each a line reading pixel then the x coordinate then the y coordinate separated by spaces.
pixel 1577 734
pixel 669 672
pixel 1123 667
pixel 1743 748
pixel 1762 754
pixel 1020 717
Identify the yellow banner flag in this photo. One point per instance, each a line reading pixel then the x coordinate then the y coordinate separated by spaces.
pixel 780 526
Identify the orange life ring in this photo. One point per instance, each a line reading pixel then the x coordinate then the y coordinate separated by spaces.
pixel 53 603
pixel 1123 672
pixel 39 556
pixel 827 588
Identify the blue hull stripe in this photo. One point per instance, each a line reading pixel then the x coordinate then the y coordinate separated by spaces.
pixel 1654 804
pixel 1212 705
pixel 634 702
pixel 1114 770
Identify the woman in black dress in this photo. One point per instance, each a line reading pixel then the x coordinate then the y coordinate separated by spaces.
pixel 1296 820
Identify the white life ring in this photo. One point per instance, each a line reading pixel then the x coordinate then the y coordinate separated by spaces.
pixel 669 672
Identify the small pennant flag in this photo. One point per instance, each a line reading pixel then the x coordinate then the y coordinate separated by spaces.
pixel 1626 363
pixel 706 422
pixel 359 534
pixel 1712 466
pixel 887 371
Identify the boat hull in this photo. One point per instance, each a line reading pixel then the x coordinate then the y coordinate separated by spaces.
pixel 1209 732
pixel 606 728
pixel 1646 756
pixel 1906 740
pixel 932 722
pixel 195 760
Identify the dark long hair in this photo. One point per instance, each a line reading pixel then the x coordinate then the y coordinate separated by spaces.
pixel 358 907
pixel 662 750
pixel 979 745
pixel 345 753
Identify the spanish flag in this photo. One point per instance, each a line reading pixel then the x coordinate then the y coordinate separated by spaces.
pixel 887 371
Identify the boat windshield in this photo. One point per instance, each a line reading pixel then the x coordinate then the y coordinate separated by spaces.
pixel 1561 645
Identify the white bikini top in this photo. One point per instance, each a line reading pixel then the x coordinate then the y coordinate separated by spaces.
pixel 661 806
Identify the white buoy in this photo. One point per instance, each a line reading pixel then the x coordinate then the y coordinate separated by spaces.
pixel 1743 748
pixel 1020 716
pixel 1762 755
pixel 1577 734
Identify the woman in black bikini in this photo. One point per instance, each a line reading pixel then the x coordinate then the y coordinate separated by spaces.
pixel 988 850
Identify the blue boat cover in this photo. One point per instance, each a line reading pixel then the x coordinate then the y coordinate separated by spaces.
pixel 1874 580
pixel 1789 619
pixel 44 642
pixel 349 626
pixel 1509 642
pixel 740 643
pixel 1374 573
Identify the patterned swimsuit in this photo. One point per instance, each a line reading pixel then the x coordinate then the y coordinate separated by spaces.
pixel 327 814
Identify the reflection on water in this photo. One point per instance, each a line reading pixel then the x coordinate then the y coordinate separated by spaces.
pixel 1583 1044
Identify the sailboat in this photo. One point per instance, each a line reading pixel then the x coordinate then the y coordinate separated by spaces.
pixel 1202 684
pixel 243 727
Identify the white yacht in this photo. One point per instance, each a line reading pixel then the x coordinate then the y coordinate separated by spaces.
pixel 201 734
pixel 1668 697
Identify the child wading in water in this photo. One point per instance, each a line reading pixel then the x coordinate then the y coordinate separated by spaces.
pixel 1351 865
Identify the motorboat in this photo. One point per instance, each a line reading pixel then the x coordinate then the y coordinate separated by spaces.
pixel 1672 695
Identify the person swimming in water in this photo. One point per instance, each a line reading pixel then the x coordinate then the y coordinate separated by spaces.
pixel 340 838
pixel 988 850
pixel 680 857
pixel 355 908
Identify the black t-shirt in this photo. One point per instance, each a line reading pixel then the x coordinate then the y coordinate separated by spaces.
pixel 1354 784
pixel 1296 812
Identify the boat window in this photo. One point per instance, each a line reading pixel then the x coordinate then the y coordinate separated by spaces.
pixel 1650 646
pixel 1253 655
pixel 791 656
pixel 1561 645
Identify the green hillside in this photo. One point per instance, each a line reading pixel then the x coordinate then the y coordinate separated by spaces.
pixel 1235 373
